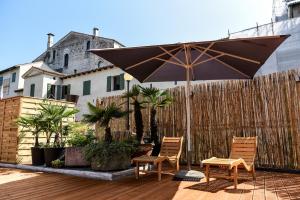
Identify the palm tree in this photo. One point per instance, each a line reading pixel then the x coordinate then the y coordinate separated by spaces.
pixel 135 95
pixel 103 116
pixel 53 116
pixel 155 99
pixel 34 124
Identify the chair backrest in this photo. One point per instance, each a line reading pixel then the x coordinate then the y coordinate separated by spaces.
pixel 171 147
pixel 244 147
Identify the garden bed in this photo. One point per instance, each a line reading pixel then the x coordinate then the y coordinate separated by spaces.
pixel 79 172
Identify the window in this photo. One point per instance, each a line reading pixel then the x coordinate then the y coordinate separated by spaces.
pixel 1 81
pixel 88 45
pixel 50 91
pixel 99 63
pixel 65 91
pixel 115 83
pixel 13 77
pixel 53 55
pixel 66 60
pixel 32 90
pixel 86 88
pixel 295 10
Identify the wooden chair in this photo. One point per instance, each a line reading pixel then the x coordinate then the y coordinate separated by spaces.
pixel 243 152
pixel 170 151
pixel 171 148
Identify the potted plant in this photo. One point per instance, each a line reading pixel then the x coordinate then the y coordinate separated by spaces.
pixel 108 154
pixel 34 124
pixel 115 155
pixel 138 104
pixel 155 98
pixel 53 116
pixel 79 136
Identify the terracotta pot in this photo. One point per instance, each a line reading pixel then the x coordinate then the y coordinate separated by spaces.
pixel 74 157
pixel 143 149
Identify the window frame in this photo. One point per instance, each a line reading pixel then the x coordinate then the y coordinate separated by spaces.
pixel 66 60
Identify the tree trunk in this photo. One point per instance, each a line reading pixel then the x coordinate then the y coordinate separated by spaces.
pixel 36 144
pixel 138 118
pixel 153 130
pixel 108 136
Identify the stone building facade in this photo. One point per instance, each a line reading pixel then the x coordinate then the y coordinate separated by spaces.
pixel 70 54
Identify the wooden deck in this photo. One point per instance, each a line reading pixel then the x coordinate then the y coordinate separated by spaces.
pixel 16 184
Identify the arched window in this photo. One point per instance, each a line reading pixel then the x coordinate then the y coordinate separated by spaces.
pixel 88 45
pixel 99 63
pixel 66 60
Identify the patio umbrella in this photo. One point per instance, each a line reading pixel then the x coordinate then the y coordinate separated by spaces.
pixel 208 60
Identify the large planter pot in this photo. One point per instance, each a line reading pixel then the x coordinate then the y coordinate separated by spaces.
pixel 143 149
pixel 37 156
pixel 74 157
pixel 117 162
pixel 52 154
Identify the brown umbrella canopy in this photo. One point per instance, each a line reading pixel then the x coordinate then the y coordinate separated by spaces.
pixel 210 60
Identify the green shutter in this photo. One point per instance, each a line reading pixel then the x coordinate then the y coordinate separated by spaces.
pixel 86 87
pixel 122 81
pixel 48 90
pixel 108 84
pixel 58 92
pixel 32 88
pixel 13 77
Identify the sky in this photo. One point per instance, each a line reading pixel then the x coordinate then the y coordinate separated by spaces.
pixel 25 23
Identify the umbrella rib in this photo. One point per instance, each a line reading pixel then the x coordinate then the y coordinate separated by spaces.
pixel 229 54
pixel 203 52
pixel 168 61
pixel 159 68
pixel 173 56
pixel 149 59
pixel 209 59
pixel 227 65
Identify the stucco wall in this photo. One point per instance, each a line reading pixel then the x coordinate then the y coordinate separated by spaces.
pixel 286 56
pixel 41 81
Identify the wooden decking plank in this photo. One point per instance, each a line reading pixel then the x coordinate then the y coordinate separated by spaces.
pixel 269 185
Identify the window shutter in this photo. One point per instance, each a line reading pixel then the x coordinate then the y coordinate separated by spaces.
pixel 58 92
pixel 13 77
pixel 122 81
pixel 108 84
pixel 1 81
pixel 48 90
pixel 68 89
pixel 87 87
pixel 32 88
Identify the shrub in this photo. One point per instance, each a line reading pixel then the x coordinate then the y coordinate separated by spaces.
pixel 57 163
pixel 104 151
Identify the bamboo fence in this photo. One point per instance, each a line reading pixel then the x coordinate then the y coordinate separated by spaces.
pixel 15 144
pixel 267 107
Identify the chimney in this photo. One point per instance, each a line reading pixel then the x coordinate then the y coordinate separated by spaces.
pixel 96 31
pixel 50 40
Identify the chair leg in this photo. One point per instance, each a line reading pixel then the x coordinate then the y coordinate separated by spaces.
pixel 253 173
pixel 177 165
pixel 207 174
pixel 235 176
pixel 159 171
pixel 229 172
pixel 137 170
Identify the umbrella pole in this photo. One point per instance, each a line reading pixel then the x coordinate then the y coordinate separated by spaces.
pixel 188 118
